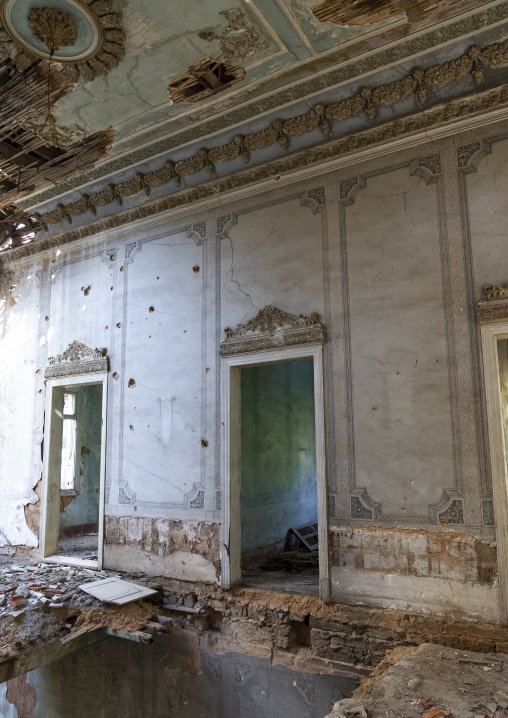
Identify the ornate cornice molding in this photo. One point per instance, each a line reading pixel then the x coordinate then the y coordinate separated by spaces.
pixel 493 310
pixel 348 71
pixel 368 100
pixel 77 359
pixel 335 149
pixel 271 328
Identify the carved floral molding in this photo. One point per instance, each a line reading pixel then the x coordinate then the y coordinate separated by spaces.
pixel 239 39
pixel 336 148
pixel 271 328
pixel 54 28
pixel 77 359
pixel 495 307
pixel 368 100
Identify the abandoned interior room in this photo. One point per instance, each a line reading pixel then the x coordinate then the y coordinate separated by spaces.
pixel 253 358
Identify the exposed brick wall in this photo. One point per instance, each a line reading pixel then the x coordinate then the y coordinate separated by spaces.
pixel 445 554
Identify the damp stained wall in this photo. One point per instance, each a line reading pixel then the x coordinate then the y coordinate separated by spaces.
pixel 278 449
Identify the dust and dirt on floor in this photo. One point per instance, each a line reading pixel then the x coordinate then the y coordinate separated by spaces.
pixel 431 681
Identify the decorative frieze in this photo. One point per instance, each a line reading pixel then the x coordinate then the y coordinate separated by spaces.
pixel 368 100
pixel 77 359
pixel 336 148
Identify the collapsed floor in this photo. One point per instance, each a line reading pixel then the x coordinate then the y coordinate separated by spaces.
pixel 44 617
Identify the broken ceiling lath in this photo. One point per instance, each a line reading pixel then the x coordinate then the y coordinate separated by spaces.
pixel 366 12
pixel 204 78
pixel 26 157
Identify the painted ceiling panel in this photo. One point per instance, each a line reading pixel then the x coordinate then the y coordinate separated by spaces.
pixel 162 39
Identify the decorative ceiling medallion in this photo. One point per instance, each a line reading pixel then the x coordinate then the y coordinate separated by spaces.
pixel 84 35
pixel 55 29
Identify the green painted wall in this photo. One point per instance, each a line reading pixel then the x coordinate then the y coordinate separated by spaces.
pixel 84 509
pixel 278 451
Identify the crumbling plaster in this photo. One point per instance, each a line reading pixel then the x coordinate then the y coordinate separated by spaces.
pixel 307 247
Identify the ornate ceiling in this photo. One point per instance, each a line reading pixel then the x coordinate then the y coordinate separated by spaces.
pixel 151 69
pixel 275 41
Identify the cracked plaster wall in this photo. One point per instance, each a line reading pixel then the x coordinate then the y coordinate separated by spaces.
pixel 391 254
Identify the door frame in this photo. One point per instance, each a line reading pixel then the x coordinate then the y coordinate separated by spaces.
pixel 50 497
pixel 491 333
pixel 231 366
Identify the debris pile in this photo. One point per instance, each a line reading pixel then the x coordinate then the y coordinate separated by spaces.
pixel 43 585
pixel 431 681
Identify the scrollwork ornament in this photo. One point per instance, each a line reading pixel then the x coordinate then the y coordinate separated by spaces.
pixel 268 320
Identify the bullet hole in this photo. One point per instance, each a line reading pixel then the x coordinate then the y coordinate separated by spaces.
pixel 118 325
pixel 85 450
pixel 207 369
pixel 111 289
pixel 107 326
pixel 157 277
pixel 40 391
pixel 374 408
pixel 204 443
pixel 151 309
pixel 411 481
pixel 46 319
pixel 131 383
pixel 398 372
pixel 38 371
pixel 185 331
pixel 405 498
pixel 86 290
pixel 135 508
pixel 402 508
pixel 131 427
pixel 121 268
pixel 150 336
pixel 112 257
pixel 276 177
pixel 195 269
pixel 116 375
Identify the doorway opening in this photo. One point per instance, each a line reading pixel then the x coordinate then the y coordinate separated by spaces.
pixel 274 510
pixel 279 518
pixel 73 476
